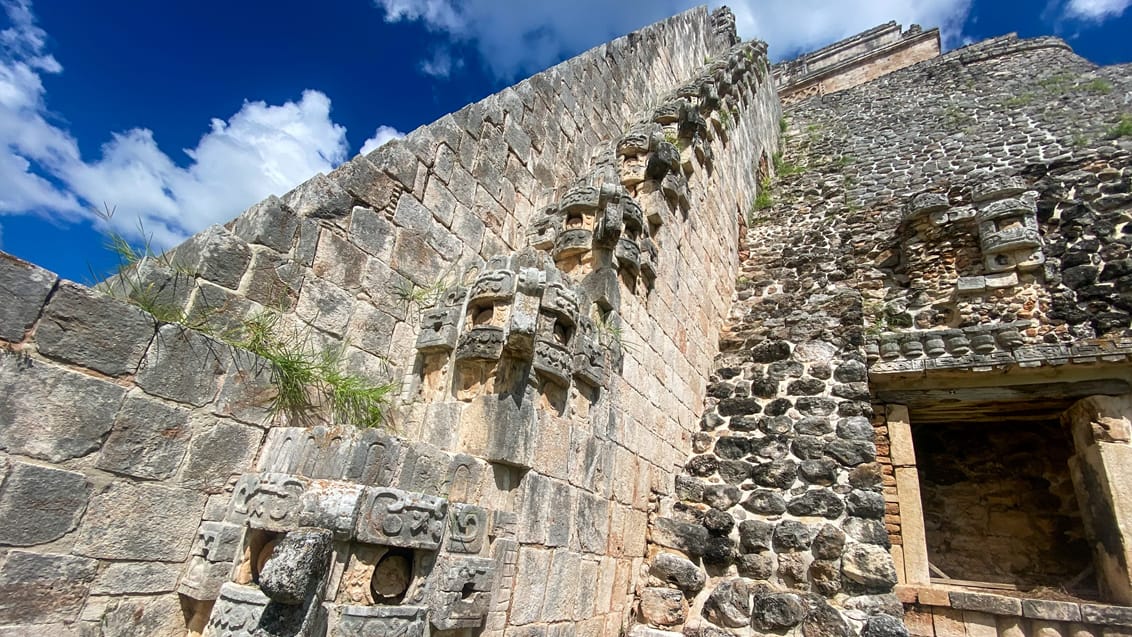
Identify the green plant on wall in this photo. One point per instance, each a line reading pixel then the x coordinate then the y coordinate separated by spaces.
pixel 417 298
pixel 726 119
pixel 311 384
pixel 1098 86
pixel 131 280
pixel 610 335
pixel 1123 128
pixel 764 198
pixel 785 168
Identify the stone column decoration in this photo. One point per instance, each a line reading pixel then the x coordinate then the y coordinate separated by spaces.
pixel 300 555
pixel 1102 478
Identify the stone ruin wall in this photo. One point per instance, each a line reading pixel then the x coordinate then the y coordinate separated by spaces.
pixel 854 61
pixel 947 241
pixel 155 493
pixel 945 245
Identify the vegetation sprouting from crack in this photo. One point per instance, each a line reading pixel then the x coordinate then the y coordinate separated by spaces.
pixel 417 298
pixel 311 384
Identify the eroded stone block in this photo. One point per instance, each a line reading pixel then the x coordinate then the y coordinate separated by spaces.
pixel 398 518
pixel 468 528
pixel 40 504
pixel 26 287
pixel 37 588
pixel 296 566
pixel 129 521
pixel 370 621
pixel 87 328
pixel 460 591
pixel 40 417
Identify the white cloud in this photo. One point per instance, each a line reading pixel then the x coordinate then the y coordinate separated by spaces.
pixel 1096 10
pixel 517 37
pixel 261 150
pixel 441 64
pixel 380 136
pixel 792 27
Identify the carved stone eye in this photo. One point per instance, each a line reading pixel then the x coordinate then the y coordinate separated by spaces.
pixel 483 315
pixel 574 221
pixel 391 577
pixel 561 333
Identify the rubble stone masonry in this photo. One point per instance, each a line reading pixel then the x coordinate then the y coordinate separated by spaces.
pixel 670 360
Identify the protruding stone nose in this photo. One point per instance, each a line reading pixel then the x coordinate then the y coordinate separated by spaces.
pixel 297 565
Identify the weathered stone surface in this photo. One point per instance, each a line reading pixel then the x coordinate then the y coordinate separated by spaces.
pixel 865 476
pixel 183 366
pixel 325 305
pixel 818 502
pixel 461 592
pixel 717 522
pixel 142 578
pixel 1106 615
pixel 39 416
pixel 828 543
pixel 823 620
pixel 884 626
pixel 363 621
pixel 865 504
pixel 268 223
pixel 867 531
pixel 663 606
pixel 37 588
pixel 721 496
pixel 755 536
pixel 868 565
pixel 26 286
pixel 765 502
pixel 851 452
pixel 757 566
pixel 296 566
pixel 154 616
pixel 318 197
pixel 675 534
pixel 791 535
pixel 148 440
pixel 986 603
pixel 1051 610
pixel 776 611
pixel 680 572
pixel 219 449
pixel 40 504
pixel 245 610
pixel 140 522
pixel 397 518
pixel 825 577
pixel 468 528
pixel 777 474
pixel 729 605
pixel 86 328
pixel 216 255
pixel 887 603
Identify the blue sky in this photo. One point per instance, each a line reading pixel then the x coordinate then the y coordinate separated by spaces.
pixel 179 115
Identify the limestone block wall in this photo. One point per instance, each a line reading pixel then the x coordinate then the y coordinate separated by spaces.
pixel 790 508
pixel 117 435
pixel 545 273
pixel 854 61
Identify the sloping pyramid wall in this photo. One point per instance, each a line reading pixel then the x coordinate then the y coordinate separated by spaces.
pixel 584 228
